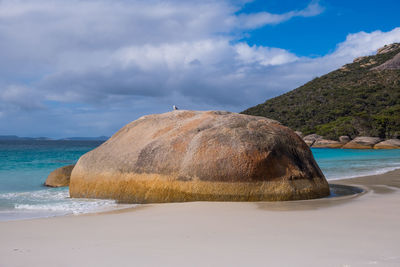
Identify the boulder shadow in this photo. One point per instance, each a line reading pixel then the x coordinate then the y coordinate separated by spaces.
pixel 340 194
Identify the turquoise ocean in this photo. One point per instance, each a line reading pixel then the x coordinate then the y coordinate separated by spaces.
pixel 25 165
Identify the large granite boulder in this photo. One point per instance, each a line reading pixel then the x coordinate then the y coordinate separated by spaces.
pixel 311 138
pixel 362 142
pixel 325 143
pixel 388 144
pixel 59 177
pixel 199 155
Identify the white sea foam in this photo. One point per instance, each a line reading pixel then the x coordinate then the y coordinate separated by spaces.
pixel 71 207
pixel 39 195
pixel 363 173
pixel 51 202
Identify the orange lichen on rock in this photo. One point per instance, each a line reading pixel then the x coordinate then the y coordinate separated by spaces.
pixel 324 143
pixel 362 142
pixel 145 190
pixel 388 144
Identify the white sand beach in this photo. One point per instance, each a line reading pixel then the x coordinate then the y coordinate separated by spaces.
pixel 358 230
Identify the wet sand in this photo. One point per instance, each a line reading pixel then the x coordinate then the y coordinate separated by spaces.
pixel 358 228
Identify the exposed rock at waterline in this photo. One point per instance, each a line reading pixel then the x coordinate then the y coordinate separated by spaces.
pixel 344 139
pixel 59 177
pixel 388 144
pixel 324 143
pixel 200 155
pixel 362 142
pixel 311 138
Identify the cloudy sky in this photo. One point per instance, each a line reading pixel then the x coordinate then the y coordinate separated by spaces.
pixel 86 67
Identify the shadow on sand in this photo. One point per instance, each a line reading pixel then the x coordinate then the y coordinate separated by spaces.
pixel 340 194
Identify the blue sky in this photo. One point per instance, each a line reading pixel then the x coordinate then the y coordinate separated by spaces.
pixel 86 68
pixel 318 35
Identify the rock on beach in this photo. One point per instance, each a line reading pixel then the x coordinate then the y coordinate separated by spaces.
pixel 362 142
pixel 325 143
pixel 388 144
pixel 311 139
pixel 200 156
pixel 59 177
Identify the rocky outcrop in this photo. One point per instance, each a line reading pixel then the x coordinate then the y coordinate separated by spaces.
pixel 195 156
pixel 317 141
pixel 59 177
pixel 321 104
pixel 344 139
pixel 324 143
pixel 311 138
pixel 362 142
pixel 388 48
pixel 358 59
pixel 392 64
pixel 388 144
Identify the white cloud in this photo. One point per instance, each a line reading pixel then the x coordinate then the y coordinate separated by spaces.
pixel 20 98
pixel 174 56
pixel 363 43
pixel 256 20
pixel 264 56
pixel 88 67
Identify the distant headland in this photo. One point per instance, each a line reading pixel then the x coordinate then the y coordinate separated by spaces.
pixel 15 137
pixel 360 99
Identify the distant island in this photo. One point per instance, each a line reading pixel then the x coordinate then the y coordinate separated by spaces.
pixel 358 99
pixel 99 138
pixel 15 137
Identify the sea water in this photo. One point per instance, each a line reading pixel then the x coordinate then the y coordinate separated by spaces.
pixel 25 165
pixel 350 163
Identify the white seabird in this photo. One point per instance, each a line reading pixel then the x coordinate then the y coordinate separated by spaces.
pixel 174 107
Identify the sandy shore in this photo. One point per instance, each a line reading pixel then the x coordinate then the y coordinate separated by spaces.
pixel 354 230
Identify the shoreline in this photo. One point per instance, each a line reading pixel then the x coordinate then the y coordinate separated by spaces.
pixel 355 230
pixel 109 210
pixel 379 172
pixel 32 203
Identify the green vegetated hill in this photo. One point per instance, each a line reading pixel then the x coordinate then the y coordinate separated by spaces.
pixel 359 99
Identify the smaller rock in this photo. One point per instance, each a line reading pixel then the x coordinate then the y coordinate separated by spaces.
pixel 59 177
pixel 362 142
pixel 324 143
pixel 388 144
pixel 344 139
pixel 311 138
